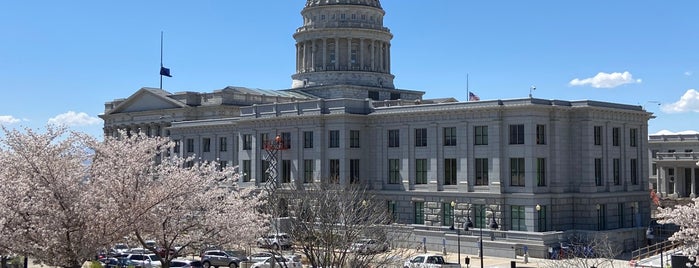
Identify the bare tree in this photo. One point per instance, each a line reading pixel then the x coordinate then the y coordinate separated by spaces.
pixel 326 219
pixel 586 250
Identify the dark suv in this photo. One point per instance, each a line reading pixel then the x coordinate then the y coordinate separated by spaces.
pixel 220 258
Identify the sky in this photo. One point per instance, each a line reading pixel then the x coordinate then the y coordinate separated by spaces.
pixel 60 61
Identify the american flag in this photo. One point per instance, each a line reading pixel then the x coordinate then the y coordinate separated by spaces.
pixel 473 97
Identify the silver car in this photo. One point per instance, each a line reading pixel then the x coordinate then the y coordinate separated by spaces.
pixel 219 258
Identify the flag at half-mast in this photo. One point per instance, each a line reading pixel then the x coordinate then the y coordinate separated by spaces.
pixel 165 71
pixel 473 97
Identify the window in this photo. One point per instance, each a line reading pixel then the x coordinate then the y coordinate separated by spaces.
pixel 540 134
pixel 393 171
pixel 616 166
pixel 541 172
pixel 264 167
pixel 633 137
pixel 449 136
pixel 247 142
pixel 354 138
pixel 246 170
pixel 190 145
pixel 516 171
pixel 308 169
pixel 264 140
pixel 481 171
pixel 392 208
pixel 654 169
pixel 481 135
pixel 393 138
pixel 601 217
pixel 447 214
pixel 176 149
pixel 334 139
pixel 308 139
pixel 223 144
pixel 286 171
pixel 354 170
pixel 374 95
pixel 598 171
pixel 620 210
pixel 541 216
pixel 633 165
pixel 478 215
pixel 615 136
pixel 419 208
pixel 206 144
pixel 286 140
pixel 517 216
pixel 420 137
pixel 334 167
pixel 393 96
pixel 598 135
pixel 450 171
pixel 420 171
pixel 516 134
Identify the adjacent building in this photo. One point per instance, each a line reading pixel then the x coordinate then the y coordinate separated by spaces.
pixel 541 168
pixel 674 160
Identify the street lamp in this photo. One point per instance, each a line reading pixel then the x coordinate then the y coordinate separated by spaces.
pixel 493 225
pixel 458 230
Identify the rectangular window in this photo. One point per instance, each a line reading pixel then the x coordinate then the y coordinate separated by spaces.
pixel 447 214
pixel 393 171
pixel 206 145
pixel 246 170
pixel 264 170
pixel 598 135
pixel 247 142
pixel 190 145
pixel 286 171
pixel 419 208
pixel 615 136
pixel 517 216
pixel 598 171
pixel 478 215
pixel 374 95
pixel 516 134
pixel 516 171
pixel 450 171
pixel 264 140
pixel 540 134
pixel 620 208
pixel 334 168
pixel 601 217
pixel 616 166
pixel 420 137
pixel 633 166
pixel 481 171
pixel 633 137
pixel 308 170
pixel 308 139
pixel 654 169
pixel 176 149
pixel 420 171
pixel 392 208
pixel 541 172
pixel 354 171
pixel 449 136
pixel 223 144
pixel 541 216
pixel 354 138
pixel 286 140
pixel 393 138
pixel 334 139
pixel 481 135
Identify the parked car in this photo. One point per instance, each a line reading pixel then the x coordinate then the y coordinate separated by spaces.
pixel 429 261
pixel 274 262
pixel 368 246
pixel 144 260
pixel 181 263
pixel 115 262
pixel 219 258
pixel 119 249
pixel 261 256
pixel 275 241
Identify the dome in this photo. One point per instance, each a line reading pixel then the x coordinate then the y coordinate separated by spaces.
pixel 371 3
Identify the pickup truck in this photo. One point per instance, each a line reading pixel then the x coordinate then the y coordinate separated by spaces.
pixel 429 261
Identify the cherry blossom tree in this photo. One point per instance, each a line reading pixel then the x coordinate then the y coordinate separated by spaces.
pixel 687 218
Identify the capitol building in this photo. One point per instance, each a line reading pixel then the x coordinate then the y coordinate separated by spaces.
pixel 543 169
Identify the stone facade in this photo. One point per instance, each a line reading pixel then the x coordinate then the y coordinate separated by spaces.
pixel 539 168
pixel 674 163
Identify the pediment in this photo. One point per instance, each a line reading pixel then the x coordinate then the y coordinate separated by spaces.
pixel 147 99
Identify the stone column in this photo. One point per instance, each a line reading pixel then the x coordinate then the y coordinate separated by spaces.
pixel 325 53
pixel 305 57
pixel 298 61
pixel 337 53
pixel 694 181
pixel 382 67
pixel 361 54
pixel 349 53
pixel 373 55
pixel 313 54
pixel 388 58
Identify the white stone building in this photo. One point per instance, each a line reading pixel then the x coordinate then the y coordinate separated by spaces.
pixel 674 166
pixel 541 168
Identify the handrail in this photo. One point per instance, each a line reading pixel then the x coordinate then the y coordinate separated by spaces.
pixel 654 249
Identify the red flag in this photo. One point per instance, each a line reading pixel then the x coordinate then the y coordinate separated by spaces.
pixel 473 97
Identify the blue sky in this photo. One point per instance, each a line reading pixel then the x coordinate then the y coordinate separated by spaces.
pixel 60 61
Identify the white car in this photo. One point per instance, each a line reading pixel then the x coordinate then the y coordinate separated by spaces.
pixel 369 246
pixel 144 260
pixel 277 262
pixel 275 241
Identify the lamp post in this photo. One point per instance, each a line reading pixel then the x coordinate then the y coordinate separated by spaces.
pixel 458 231
pixel 493 225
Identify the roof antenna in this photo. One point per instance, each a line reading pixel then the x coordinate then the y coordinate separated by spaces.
pixel 530 91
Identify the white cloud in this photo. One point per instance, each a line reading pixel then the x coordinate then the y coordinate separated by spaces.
pixel 667 132
pixel 8 119
pixel 74 119
pixel 689 102
pixel 606 80
pixel 688 73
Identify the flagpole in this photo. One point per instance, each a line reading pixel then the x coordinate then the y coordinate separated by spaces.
pixel 161 59
pixel 468 92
